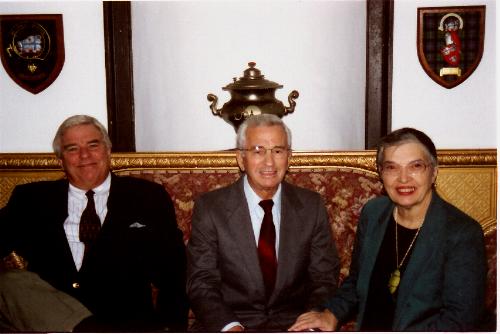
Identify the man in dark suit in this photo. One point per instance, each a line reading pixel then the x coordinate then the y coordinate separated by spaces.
pixel 126 275
pixel 256 264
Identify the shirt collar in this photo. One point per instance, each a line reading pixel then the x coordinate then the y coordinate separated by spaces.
pixel 102 188
pixel 253 199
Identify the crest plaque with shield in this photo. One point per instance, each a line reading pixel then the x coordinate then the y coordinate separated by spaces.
pixel 450 42
pixel 32 49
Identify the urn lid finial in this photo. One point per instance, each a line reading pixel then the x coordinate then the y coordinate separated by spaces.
pixel 252 79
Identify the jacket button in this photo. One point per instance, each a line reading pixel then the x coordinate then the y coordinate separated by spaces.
pixel 75 285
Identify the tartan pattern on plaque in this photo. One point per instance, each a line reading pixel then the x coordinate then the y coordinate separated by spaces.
pixel 434 41
pixel 450 42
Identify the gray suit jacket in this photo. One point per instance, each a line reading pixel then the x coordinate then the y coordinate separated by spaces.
pixel 443 287
pixel 224 279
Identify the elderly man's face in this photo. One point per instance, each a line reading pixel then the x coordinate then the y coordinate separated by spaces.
pixel 265 168
pixel 85 157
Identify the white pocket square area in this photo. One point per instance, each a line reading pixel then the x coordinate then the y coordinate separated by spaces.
pixel 136 225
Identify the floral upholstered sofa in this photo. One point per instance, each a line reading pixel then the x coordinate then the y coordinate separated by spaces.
pixel 346 180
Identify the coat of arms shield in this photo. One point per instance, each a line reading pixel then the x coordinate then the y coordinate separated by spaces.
pixel 32 49
pixel 450 42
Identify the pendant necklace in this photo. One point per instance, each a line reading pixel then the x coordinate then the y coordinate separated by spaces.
pixel 396 274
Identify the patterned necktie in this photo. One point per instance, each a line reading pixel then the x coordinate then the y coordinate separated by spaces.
pixel 90 224
pixel 266 247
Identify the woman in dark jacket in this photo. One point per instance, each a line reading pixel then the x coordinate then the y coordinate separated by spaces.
pixel 418 263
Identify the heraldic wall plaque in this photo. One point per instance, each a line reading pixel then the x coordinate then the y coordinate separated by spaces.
pixel 32 49
pixel 450 42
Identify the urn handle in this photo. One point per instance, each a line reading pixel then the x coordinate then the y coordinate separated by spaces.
pixel 291 100
pixel 213 105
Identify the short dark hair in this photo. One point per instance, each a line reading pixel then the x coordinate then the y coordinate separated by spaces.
pixel 74 121
pixel 406 135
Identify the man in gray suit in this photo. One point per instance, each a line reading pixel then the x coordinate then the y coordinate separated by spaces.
pixel 261 250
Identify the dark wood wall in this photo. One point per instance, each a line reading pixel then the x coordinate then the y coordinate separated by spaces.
pixel 378 98
pixel 120 85
pixel 119 75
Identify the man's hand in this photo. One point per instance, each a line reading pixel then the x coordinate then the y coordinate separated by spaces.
pixel 324 321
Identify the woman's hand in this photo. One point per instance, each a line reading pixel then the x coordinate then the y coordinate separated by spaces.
pixel 324 321
pixel 236 328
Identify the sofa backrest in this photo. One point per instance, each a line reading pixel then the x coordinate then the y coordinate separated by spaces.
pixel 346 181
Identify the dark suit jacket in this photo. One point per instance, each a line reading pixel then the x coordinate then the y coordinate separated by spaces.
pixel 115 281
pixel 224 279
pixel 443 287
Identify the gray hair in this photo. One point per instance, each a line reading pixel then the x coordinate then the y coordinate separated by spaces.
pixel 407 135
pixel 74 121
pixel 257 121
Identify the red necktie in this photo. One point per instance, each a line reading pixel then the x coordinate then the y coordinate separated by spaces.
pixel 266 247
pixel 90 224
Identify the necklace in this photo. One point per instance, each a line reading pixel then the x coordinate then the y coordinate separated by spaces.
pixel 396 274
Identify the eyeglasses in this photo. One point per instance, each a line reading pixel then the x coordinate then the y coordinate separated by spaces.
pixel 260 151
pixel 413 168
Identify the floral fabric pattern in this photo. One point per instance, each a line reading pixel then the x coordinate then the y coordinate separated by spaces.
pixel 344 191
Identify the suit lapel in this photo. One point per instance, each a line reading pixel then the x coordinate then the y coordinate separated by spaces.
pixel 60 200
pixel 59 206
pixel 119 212
pixel 374 235
pixel 425 246
pixel 240 227
pixel 118 205
pixel 292 213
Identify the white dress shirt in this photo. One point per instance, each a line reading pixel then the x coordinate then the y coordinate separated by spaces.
pixel 257 212
pixel 77 202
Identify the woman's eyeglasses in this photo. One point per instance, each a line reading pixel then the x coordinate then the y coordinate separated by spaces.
pixel 413 168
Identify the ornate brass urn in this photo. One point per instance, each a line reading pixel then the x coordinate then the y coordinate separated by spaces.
pixel 251 95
